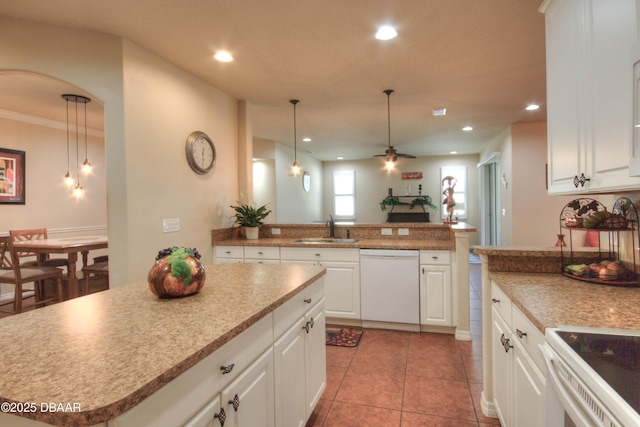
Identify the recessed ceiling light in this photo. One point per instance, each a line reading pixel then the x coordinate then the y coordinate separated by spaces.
pixel 386 32
pixel 223 56
pixel 532 107
pixel 467 128
pixel 307 139
pixel 439 112
pixel 340 158
pixel 453 152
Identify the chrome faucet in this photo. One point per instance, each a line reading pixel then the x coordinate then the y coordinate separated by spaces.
pixel 332 227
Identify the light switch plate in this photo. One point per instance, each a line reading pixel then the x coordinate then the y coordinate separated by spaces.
pixel 171 225
pixel 403 231
pixel 275 231
pixel 386 231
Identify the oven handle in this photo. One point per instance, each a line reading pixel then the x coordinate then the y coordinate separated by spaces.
pixel 564 393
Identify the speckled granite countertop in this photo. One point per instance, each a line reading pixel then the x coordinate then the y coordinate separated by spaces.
pixel 110 350
pixel 361 244
pixel 550 300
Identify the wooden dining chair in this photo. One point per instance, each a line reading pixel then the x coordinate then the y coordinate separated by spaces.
pixel 35 234
pixel 100 267
pixel 11 273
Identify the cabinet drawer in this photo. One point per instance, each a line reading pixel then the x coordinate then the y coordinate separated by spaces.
pixel 320 254
pixel 182 397
pixel 435 257
pixel 289 312
pixel 501 302
pixel 529 336
pixel 229 252
pixel 262 252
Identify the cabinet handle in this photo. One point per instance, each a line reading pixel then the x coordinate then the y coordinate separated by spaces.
pixel 317 254
pixel 434 257
pixel 221 416
pixel 580 180
pixel 505 343
pixel 235 402
pixel 227 369
pixel 306 327
pixel 422 270
pixel 494 300
pixel 260 253
pixel 228 252
pixel 520 334
pixel 311 322
pixel 307 300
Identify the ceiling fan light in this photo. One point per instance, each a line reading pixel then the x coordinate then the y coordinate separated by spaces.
pixel 389 165
pixel 467 128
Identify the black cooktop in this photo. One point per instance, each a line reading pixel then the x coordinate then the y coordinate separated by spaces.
pixel 616 358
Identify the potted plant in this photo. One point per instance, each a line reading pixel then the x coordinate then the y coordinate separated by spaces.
pixel 250 218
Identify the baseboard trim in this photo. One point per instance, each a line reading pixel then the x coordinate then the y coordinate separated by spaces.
pixel 488 408
pixel 463 335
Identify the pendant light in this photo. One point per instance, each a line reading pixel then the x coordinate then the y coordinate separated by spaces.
pixel 389 165
pixel 78 191
pixel 87 169
pixel 295 168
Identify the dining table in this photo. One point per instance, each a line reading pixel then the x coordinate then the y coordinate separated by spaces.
pixel 71 246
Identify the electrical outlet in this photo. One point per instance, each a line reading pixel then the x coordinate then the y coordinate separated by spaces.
pixel 386 231
pixel 275 231
pixel 170 225
pixel 403 231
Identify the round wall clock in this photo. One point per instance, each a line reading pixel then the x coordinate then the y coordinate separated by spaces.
pixel 200 151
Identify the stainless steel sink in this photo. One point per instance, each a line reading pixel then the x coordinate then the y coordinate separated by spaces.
pixel 318 240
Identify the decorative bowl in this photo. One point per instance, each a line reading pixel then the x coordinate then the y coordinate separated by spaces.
pixel 176 273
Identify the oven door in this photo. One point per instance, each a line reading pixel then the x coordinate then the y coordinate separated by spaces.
pixel 563 407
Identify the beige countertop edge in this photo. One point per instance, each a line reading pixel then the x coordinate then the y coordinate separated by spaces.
pixel 362 244
pixel 530 251
pixel 124 397
pixel 551 300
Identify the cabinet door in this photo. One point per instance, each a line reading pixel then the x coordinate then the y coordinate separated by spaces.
pixel 209 416
pixel 290 374
pixel 502 363
pixel 342 289
pixel 613 31
pixel 315 356
pixel 528 390
pixel 249 400
pixel 435 295
pixel 564 44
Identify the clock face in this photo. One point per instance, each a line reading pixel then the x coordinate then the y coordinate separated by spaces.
pixel 201 153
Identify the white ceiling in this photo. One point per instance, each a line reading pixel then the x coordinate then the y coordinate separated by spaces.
pixel 482 60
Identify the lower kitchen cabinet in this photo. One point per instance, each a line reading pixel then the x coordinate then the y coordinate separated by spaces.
pixel 342 280
pixel 435 288
pixel 518 382
pixel 300 367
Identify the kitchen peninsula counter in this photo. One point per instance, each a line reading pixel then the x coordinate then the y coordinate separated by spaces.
pixel 360 244
pixel 104 353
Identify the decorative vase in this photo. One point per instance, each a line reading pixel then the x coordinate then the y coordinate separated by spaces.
pixel 176 273
pixel 560 241
pixel 251 233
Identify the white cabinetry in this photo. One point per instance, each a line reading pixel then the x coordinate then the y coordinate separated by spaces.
pixel 300 360
pixel 342 279
pixel 262 254
pixel 518 382
pixel 589 88
pixel 435 288
pixel 228 254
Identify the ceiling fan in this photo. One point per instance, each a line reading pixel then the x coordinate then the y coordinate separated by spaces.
pixel 391 153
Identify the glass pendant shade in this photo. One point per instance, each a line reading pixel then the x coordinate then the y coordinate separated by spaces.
pixel 295 167
pixel 68 180
pixel 78 192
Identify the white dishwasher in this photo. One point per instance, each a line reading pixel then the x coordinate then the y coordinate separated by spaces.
pixel 390 285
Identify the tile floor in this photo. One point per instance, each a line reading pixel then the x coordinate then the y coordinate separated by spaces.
pixel 407 379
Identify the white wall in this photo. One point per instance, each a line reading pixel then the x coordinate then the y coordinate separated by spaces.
pixel 150 108
pixel 48 203
pixel 293 204
pixel 373 182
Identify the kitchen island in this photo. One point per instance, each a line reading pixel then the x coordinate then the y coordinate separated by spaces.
pixel 96 358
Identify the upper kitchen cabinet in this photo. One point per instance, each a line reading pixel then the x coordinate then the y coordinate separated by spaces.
pixel 589 94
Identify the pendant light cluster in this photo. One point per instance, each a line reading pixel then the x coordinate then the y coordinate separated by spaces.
pixel 295 167
pixel 69 181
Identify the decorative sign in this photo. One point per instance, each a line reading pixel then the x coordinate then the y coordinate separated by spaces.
pixel 411 175
pixel 12 176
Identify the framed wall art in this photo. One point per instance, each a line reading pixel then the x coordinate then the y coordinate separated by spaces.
pixel 12 172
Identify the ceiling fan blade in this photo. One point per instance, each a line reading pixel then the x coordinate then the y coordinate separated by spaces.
pixel 380 155
pixel 406 156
